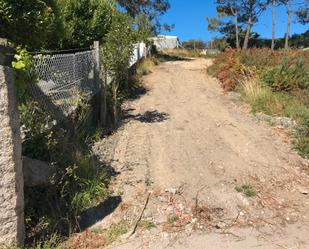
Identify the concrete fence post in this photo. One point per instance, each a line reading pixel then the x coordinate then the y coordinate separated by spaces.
pixel 11 173
pixel 100 79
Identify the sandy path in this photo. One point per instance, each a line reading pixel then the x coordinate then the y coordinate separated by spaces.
pixel 184 134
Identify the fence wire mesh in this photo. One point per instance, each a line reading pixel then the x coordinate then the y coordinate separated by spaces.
pixel 63 79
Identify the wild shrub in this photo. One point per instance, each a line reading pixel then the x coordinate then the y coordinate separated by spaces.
pixel 116 54
pixel 302 137
pixel 79 181
pixel 232 66
pixel 287 76
pixel 230 71
pixel 260 98
pixel 145 67
pixel 275 83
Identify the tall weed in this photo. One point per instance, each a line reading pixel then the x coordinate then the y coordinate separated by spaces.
pixel 275 83
pixel 287 76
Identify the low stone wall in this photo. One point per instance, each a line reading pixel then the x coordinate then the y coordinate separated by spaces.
pixel 11 179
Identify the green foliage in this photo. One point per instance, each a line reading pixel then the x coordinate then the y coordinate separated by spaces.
pixel 302 137
pixel 247 189
pixel 144 27
pixel 24 73
pixel 79 181
pixel 149 9
pixel 35 23
pixel 91 192
pixel 118 47
pixel 116 53
pixel 145 224
pixel 116 231
pixel 36 129
pixel 274 83
pixel 303 13
pixel 287 77
pixel 172 219
pixel 144 67
pixel 85 21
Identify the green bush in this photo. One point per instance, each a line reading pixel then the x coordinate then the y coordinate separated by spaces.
pixel 287 77
pixel 116 54
pixel 302 137
pixel 79 181
pixel 275 83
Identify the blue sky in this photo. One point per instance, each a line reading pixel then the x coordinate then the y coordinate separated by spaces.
pixel 189 17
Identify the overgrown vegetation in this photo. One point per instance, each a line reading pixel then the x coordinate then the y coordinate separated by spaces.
pixel 96 237
pixel 116 53
pixel 80 180
pixel 188 53
pixel 274 83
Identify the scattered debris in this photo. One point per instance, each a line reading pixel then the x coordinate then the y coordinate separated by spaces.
pixel 140 216
pixel 277 121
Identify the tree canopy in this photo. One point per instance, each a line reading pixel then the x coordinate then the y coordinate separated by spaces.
pixel 36 23
pixel 85 21
pixel 66 24
pixel 150 9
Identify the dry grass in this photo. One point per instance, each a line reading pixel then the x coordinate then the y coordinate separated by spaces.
pixel 260 97
pixel 252 89
pixel 145 67
pixel 183 53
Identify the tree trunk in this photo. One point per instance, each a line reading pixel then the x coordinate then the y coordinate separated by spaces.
pixel 286 46
pixel 235 14
pixel 115 103
pixel 273 25
pixel 248 32
pixel 237 31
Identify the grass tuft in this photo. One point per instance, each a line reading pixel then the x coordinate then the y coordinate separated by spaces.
pixel 146 225
pixel 116 231
pixel 145 67
pixel 172 219
pixel 247 190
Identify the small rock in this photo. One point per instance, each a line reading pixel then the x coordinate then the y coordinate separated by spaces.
pixel 220 225
pixel 169 209
pixel 165 235
pixel 171 190
pixel 161 198
pixel 37 172
pixel 181 207
pixel 303 191
pixel 147 213
pixel 194 220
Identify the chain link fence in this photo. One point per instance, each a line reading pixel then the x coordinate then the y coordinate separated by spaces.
pixel 63 79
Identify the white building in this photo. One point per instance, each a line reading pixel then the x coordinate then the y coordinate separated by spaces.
pixel 165 42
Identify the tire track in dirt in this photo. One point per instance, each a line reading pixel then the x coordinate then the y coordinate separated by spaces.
pixel 185 132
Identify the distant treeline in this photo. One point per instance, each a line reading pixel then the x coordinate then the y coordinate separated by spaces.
pixel 296 41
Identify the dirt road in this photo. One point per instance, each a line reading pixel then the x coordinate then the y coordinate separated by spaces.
pixel 192 146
